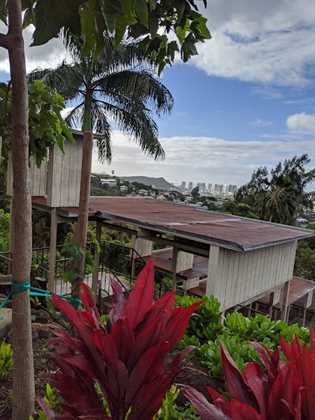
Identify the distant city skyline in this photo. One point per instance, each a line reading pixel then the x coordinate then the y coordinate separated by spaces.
pixel 208 187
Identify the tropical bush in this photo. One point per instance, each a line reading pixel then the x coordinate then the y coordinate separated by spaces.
pixel 124 369
pixel 206 332
pixel 271 389
pixel 205 323
pixel 170 410
pixel 6 360
pixel 49 403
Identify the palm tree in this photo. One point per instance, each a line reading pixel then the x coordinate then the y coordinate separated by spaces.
pixel 279 195
pixel 117 87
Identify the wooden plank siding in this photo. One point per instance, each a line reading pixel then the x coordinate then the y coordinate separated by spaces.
pixel 65 175
pixel 235 278
pixel 58 179
pixel 38 177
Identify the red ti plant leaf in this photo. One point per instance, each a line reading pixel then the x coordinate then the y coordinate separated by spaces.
pixel 279 391
pixel 206 410
pixel 141 297
pixel 236 383
pixel 128 365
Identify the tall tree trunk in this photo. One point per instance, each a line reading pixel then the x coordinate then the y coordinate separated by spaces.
pixel 81 227
pixel 23 373
pixel 80 233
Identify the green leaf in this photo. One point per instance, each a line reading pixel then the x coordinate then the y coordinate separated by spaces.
pixel 52 15
pixel 142 11
pixel 188 48
pixel 181 31
pixel 87 14
pixel 3 11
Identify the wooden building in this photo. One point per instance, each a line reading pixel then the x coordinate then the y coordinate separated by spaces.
pixel 237 260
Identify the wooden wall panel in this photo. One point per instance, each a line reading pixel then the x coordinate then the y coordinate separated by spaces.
pixel 238 277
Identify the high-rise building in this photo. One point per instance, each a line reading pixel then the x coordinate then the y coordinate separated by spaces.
pixel 202 187
pixel 231 188
pixel 209 188
pixel 183 186
pixel 218 188
pixel 190 185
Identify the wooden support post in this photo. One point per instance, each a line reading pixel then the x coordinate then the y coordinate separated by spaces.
pixel 307 303
pixel 95 275
pixel 11 239
pixel 271 300
pixel 174 266
pixel 285 307
pixel 52 250
pixel 133 256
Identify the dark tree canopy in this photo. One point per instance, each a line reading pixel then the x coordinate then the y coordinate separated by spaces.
pixel 279 195
pixel 163 27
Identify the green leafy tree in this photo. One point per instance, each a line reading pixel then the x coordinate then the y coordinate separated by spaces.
pixel 195 194
pixel 238 209
pixel 46 125
pixel 279 195
pixel 93 20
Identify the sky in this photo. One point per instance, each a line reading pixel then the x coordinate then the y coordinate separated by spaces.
pixel 246 100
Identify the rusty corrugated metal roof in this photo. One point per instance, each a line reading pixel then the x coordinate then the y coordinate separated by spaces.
pixel 227 231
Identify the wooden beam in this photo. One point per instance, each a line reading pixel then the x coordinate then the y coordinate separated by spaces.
pixel 95 275
pixel 52 250
pixel 133 256
pixel 285 309
pixel 307 304
pixel 213 283
pixel 174 266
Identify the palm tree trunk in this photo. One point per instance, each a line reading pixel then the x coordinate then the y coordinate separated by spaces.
pixel 23 374
pixel 81 227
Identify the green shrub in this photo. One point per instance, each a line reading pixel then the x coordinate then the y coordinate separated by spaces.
pixel 170 410
pixel 240 350
pixel 205 324
pixel 206 332
pixel 51 401
pixel 263 329
pixel 6 360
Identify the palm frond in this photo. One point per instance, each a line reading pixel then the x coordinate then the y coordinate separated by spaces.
pixel 139 126
pixel 102 132
pixel 137 86
pixel 74 118
pixel 66 79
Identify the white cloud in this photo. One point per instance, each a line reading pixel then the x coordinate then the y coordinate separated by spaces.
pixel 301 122
pixel 45 56
pixel 65 112
pixel 270 42
pixel 203 159
pixel 259 123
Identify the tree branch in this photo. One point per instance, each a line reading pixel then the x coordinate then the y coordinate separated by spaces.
pixel 4 41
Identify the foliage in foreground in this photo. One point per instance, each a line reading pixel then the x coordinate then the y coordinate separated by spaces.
pixel 46 124
pixel 124 369
pixel 206 332
pixel 6 360
pixel 170 409
pixel 272 389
